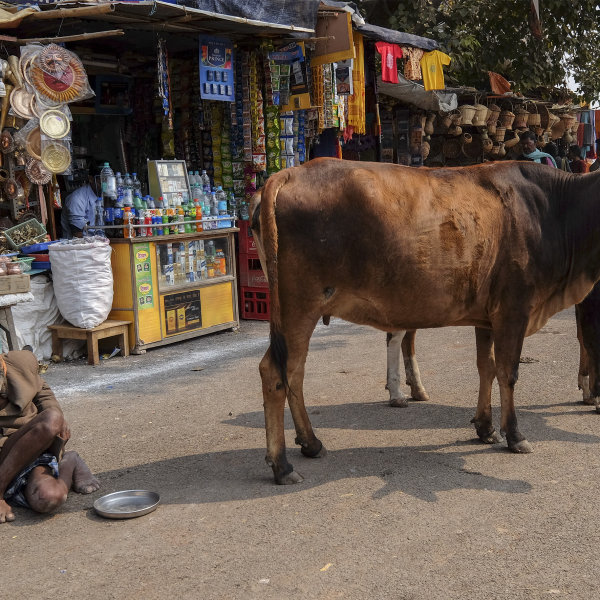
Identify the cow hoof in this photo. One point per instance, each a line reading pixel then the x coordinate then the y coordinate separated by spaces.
pixel 420 396
pixel 289 479
pixel 399 402
pixel 317 450
pixel 491 438
pixel 522 447
pixel 589 401
pixel 597 402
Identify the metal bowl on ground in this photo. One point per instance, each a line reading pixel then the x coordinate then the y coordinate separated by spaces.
pixel 127 504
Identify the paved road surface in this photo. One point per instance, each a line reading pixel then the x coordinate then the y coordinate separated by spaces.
pixel 405 505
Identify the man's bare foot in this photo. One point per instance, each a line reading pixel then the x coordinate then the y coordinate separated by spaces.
pixel 84 481
pixel 6 513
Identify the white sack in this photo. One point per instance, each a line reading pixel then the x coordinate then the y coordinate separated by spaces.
pixel 32 319
pixel 83 280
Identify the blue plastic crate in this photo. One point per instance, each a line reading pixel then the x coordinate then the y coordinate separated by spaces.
pixel 38 264
pixel 34 248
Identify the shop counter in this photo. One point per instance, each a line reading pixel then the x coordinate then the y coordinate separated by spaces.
pixel 175 287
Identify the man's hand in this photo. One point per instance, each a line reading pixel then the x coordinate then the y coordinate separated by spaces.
pixel 6 513
pixel 65 432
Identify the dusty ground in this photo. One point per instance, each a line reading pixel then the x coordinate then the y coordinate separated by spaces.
pixel 405 506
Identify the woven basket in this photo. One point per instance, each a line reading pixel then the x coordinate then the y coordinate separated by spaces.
pixel 474 149
pixel 481 115
pixel 513 141
pixel 491 127
pixel 468 112
pixel 521 116
pixel 452 148
pixel 500 133
pixel 534 119
pixel 506 119
pixel 487 145
pixel 493 113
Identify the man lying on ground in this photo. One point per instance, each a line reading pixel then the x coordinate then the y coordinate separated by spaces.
pixel 33 432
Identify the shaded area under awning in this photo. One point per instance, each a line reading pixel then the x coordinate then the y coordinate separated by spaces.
pixel 414 93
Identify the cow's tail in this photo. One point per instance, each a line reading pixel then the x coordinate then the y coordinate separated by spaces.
pixel 264 223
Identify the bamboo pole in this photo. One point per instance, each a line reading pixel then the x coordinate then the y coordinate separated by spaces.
pixel 63 13
pixel 73 38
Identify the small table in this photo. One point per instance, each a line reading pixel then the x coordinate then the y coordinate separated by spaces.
pixel 107 329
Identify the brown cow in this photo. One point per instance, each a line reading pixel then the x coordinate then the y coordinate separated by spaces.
pixel 500 246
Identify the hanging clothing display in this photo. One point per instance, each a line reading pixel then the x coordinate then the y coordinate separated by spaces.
pixel 412 66
pixel 390 53
pixel 356 102
pixel 432 67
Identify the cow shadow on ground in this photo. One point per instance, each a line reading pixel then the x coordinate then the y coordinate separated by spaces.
pixel 533 420
pixel 239 475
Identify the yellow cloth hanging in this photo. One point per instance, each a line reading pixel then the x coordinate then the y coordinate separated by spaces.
pixel 356 102
pixel 433 72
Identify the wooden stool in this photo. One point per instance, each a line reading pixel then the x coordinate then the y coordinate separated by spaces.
pixel 107 329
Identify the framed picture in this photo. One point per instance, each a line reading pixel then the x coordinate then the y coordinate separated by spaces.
pixel 113 95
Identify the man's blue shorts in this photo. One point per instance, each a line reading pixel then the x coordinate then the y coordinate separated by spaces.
pixel 14 494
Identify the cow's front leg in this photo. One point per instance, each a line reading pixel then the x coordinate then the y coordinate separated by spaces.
pixel 486 366
pixel 508 341
pixel 413 376
pixel 394 347
pixel 583 375
pixel 274 402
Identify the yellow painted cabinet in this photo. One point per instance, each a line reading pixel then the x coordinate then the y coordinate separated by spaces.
pixel 175 287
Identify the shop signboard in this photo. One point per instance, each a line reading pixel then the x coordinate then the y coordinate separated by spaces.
pixel 216 68
pixel 183 312
pixel 143 276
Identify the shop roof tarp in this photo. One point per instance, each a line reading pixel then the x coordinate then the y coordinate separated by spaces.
pixel 414 93
pixel 299 13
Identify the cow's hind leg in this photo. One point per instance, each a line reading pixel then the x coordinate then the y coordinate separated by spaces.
pixel 508 341
pixel 310 446
pixel 393 385
pixel 486 366
pixel 583 376
pixel 413 376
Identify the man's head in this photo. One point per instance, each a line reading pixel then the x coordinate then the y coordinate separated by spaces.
pixel 574 152
pixel 528 139
pixel 551 149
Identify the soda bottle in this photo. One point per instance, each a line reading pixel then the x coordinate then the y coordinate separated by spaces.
pixel 220 263
pixel 99 220
pixel 244 212
pixel 164 218
pixel 205 182
pixel 127 191
pixel 198 209
pixel 187 214
pixel 181 219
pixel 141 220
pixel 118 215
pixel 127 220
pixel 108 182
pixel 109 220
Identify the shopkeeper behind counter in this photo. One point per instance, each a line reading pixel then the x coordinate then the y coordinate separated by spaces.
pixel 79 207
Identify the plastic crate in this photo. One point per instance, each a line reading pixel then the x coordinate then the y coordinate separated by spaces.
pixel 41 265
pixel 39 235
pixel 247 244
pixel 251 273
pixel 43 256
pixel 25 263
pixel 255 304
pixel 37 248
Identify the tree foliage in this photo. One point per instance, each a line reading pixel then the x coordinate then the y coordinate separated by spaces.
pixel 495 35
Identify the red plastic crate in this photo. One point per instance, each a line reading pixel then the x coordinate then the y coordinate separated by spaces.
pixel 255 303
pixel 251 273
pixel 246 239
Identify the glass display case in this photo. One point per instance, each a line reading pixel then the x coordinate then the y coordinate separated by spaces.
pixel 168 178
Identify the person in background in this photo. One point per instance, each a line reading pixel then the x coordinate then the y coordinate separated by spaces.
pixel 596 164
pixel 530 151
pixel 79 207
pixel 34 473
pixel 577 164
pixel 559 158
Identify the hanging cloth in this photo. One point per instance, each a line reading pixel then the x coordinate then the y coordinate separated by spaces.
pixel 390 53
pixel 432 67
pixel 356 102
pixel 412 66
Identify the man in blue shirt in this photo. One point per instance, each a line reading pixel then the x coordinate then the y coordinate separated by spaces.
pixel 79 209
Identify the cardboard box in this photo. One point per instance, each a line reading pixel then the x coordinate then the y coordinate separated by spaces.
pixel 14 284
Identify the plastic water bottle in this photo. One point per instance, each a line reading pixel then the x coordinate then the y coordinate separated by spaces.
pixel 137 186
pixel 127 190
pixel 244 215
pixel 232 201
pixel 108 182
pixel 221 197
pixel 99 215
pixel 120 190
pixel 197 179
pixel 205 182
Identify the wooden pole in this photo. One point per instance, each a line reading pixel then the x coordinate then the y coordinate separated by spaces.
pixel 73 38
pixel 63 13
